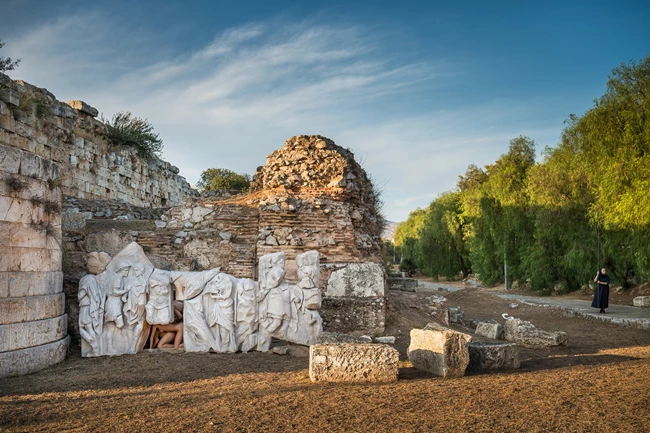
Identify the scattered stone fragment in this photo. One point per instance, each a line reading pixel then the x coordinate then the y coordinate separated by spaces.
pixel 439 350
pixel 456 315
pixel 525 333
pixel 353 363
pixel 280 350
pixel 474 322
pixel 514 305
pixel 484 356
pixel 385 340
pixel 490 330
pixel 642 301
pixel 340 338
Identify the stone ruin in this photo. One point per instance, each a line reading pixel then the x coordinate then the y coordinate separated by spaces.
pixel 124 296
pixel 33 323
pixel 319 199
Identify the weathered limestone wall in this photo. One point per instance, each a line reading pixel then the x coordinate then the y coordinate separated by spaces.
pixel 33 324
pixel 32 119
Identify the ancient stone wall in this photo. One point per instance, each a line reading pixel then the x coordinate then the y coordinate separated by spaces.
pixel 33 325
pixel 67 133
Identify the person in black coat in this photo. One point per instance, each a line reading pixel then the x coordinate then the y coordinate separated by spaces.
pixel 601 297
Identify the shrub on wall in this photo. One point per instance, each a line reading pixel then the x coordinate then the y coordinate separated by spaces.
pixel 128 130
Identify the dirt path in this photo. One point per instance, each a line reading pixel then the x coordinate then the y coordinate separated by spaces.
pixel 599 382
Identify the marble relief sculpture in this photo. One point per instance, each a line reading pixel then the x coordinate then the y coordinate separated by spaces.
pixel 124 296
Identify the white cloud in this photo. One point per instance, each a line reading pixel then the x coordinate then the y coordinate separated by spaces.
pixel 236 99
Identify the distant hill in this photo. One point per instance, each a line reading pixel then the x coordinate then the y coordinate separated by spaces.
pixel 389 230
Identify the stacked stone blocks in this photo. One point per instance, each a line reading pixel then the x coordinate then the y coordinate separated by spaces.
pixel 33 324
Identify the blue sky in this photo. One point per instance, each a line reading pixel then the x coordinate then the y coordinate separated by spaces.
pixel 417 90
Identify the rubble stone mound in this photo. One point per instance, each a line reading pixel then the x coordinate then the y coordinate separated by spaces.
pixel 526 334
pixel 353 363
pixel 311 161
pixel 439 350
pixel 485 356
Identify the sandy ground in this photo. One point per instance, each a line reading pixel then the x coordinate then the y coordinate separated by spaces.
pixel 600 382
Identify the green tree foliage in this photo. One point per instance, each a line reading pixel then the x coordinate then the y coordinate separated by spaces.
pixel 554 223
pixel 6 63
pixel 130 131
pixel 214 179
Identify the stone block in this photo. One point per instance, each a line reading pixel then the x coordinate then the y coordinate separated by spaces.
pixel 10 259
pixel 30 360
pixel 73 221
pixel 474 322
pixel 485 356
pixel 31 308
pixel 440 351
pixel 353 363
pixel 10 96
pixel 403 284
pixel 17 210
pixel 29 334
pixel 30 165
pixel 490 330
pixel 83 107
pixel 354 314
pixel 642 301
pixel 34 283
pixel 22 235
pixel 456 315
pixel 4 285
pixel 362 280
pixel 10 159
pixel 341 338
pixel 526 334
pixel 385 340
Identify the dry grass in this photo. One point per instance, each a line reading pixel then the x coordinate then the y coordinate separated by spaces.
pixel 600 382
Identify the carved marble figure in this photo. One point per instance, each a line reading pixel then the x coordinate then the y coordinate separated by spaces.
pixel 159 309
pixel 246 314
pixel 124 296
pixel 220 314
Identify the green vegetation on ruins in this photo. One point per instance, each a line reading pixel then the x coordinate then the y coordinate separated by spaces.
pixel 554 223
pixel 215 179
pixel 130 131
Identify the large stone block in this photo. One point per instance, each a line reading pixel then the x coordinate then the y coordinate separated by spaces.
pixel 364 280
pixel 10 159
pixel 33 283
pixel 365 315
pixel 439 350
pixel 525 333
pixel 353 363
pixel 642 301
pixel 29 334
pixel 30 308
pixel 484 356
pixel 83 107
pixel 490 330
pixel 25 361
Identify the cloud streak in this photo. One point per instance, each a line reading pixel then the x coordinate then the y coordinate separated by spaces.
pixel 236 99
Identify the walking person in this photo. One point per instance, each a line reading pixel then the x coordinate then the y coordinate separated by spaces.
pixel 601 297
